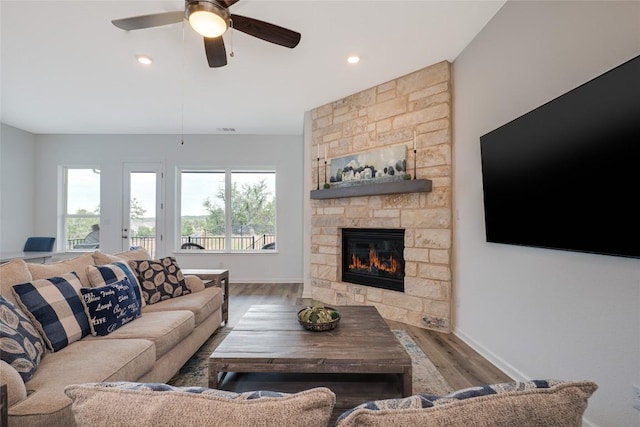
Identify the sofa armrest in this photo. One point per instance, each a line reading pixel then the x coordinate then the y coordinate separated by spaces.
pixel 16 390
pixel 194 283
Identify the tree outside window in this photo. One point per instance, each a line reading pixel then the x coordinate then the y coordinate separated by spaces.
pixel 250 201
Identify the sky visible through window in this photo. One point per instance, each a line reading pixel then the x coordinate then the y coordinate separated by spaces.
pixel 196 188
pixel 83 190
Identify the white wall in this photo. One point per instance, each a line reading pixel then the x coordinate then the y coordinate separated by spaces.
pixel 16 188
pixel 540 313
pixel 110 152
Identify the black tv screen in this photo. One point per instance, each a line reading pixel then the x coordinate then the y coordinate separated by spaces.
pixel 567 174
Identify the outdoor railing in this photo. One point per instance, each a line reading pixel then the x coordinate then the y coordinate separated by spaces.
pixel 216 243
pixel 211 243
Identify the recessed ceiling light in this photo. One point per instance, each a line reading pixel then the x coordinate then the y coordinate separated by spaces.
pixel 353 59
pixel 144 59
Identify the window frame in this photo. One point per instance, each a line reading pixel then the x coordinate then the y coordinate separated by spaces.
pixel 65 216
pixel 228 232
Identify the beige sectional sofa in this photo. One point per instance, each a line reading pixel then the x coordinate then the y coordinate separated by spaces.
pixel 151 348
pixel 117 379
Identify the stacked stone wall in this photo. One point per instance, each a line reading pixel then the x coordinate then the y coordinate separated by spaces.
pixel 387 115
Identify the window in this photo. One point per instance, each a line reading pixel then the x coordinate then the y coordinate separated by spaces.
pixel 81 218
pixel 143 210
pixel 253 210
pixel 202 210
pixel 227 210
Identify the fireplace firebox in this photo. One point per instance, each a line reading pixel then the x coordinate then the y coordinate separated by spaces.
pixel 373 257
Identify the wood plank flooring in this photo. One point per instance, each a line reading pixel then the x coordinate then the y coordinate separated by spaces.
pixel 458 363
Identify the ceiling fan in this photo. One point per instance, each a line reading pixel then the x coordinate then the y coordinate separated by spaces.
pixel 211 18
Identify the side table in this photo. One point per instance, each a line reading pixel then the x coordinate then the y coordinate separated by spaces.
pixel 219 278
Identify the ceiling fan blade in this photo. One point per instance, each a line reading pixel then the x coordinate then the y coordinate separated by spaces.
pixel 216 53
pixel 226 3
pixel 265 31
pixel 148 21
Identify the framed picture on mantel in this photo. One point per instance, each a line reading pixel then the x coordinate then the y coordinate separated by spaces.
pixel 384 164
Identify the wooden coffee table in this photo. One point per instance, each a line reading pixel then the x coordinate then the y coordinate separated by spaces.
pixel 268 338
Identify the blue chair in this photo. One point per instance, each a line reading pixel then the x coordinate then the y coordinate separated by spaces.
pixel 39 244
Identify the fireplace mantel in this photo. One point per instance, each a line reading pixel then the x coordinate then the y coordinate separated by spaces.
pixel 395 187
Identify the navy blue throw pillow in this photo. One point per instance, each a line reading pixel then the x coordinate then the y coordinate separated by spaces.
pixel 111 306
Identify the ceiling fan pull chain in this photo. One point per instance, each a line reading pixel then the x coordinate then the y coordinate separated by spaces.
pixel 182 83
pixel 232 53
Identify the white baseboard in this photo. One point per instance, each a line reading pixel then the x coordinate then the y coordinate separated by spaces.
pixel 497 361
pixel 267 281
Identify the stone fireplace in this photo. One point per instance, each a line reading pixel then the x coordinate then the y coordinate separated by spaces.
pixel 373 257
pixel 412 109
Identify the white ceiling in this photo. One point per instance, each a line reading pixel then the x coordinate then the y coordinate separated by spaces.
pixel 66 69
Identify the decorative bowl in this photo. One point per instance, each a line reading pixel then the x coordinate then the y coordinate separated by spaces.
pixel 318 318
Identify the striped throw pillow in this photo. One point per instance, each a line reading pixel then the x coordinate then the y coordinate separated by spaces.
pixel 101 275
pixel 55 309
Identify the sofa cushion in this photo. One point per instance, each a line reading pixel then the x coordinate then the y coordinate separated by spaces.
pixel 100 275
pixel 78 264
pixel 109 360
pixel 194 283
pixel 111 306
pixel 201 304
pixel 16 390
pixel 12 272
pixel 160 279
pixel 196 406
pixel 54 307
pixel 20 344
pixel 549 403
pixel 165 329
pixel 136 254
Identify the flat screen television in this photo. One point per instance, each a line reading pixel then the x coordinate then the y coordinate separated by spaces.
pixel 567 175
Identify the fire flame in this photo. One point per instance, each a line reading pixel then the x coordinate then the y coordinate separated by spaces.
pixel 375 262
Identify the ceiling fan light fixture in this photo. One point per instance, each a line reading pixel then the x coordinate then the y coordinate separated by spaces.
pixel 207 18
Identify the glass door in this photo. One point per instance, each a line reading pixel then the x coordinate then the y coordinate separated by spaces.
pixel 143 215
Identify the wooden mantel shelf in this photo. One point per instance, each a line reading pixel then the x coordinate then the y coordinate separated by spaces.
pixel 395 187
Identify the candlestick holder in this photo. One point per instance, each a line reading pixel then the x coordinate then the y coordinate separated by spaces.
pixel 318 173
pixel 325 172
pixel 414 163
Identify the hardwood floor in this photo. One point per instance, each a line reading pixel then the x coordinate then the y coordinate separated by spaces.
pixel 458 363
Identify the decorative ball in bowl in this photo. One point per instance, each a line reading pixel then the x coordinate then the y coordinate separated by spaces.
pixel 319 318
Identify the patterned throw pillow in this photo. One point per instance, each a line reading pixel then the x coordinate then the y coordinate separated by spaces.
pixel 196 406
pixel 54 307
pixel 110 306
pixel 20 344
pixel 160 279
pixel 100 275
pixel 523 404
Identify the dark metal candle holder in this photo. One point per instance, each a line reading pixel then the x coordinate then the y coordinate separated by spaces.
pixel 325 172
pixel 414 163
pixel 318 173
